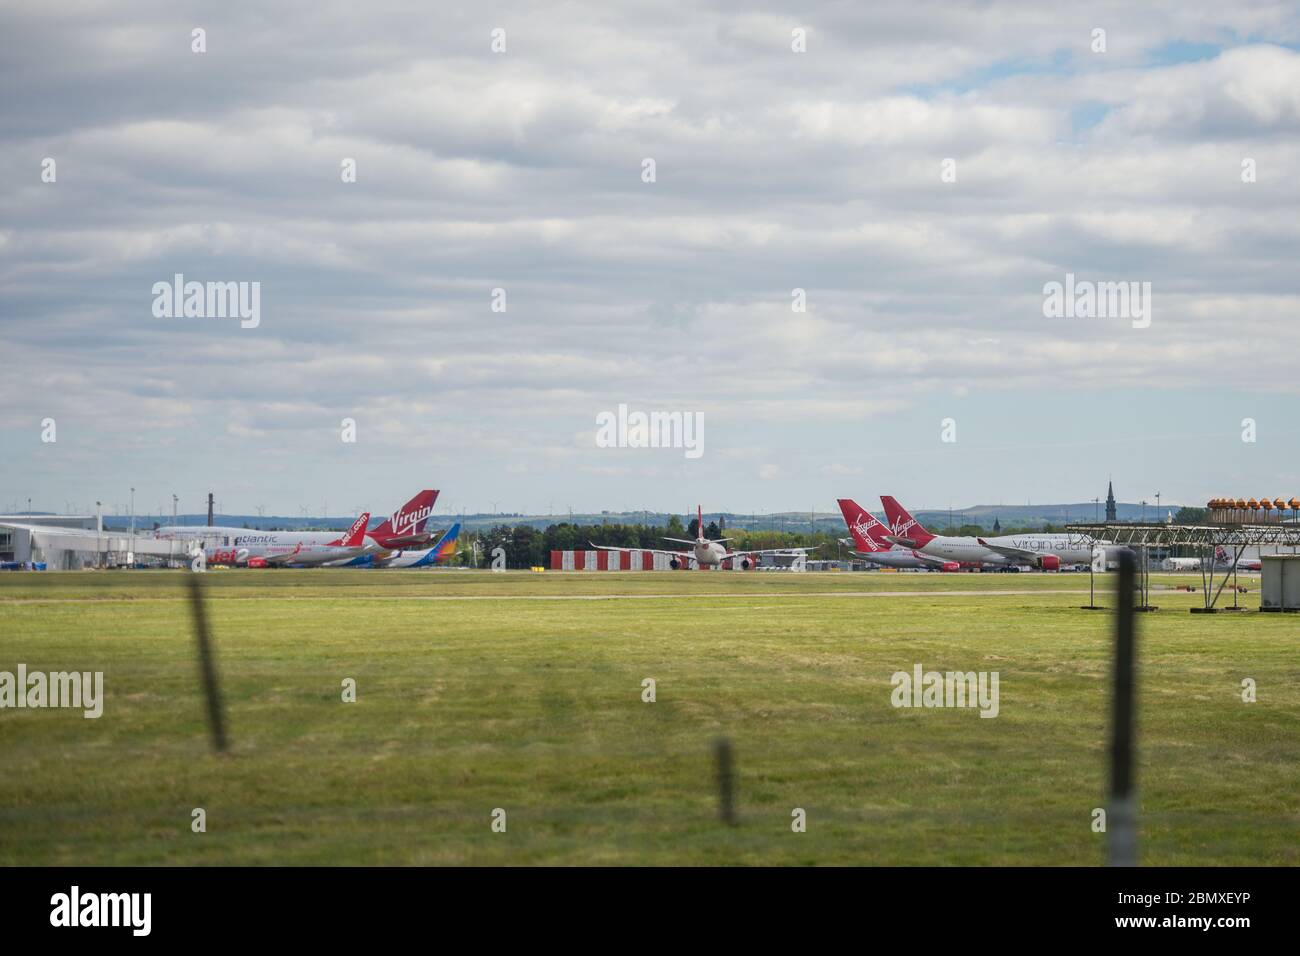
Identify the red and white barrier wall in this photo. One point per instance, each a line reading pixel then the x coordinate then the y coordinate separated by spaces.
pixel 617 561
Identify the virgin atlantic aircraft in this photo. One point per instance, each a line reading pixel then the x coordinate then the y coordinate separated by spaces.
pixel 869 542
pixel 403 529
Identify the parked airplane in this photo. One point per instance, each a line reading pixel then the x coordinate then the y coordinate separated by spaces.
pixel 1223 559
pixel 403 529
pixel 869 542
pixel 706 553
pixel 1046 551
pixel 348 545
pixel 438 554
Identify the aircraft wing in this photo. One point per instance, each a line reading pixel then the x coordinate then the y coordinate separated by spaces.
pixel 1019 554
pixel 783 552
pixel 409 541
pixel 929 559
pixel 284 558
pixel 799 550
pixel 611 547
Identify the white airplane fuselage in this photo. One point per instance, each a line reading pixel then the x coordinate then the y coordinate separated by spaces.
pixel 901 558
pixel 249 537
pixel 708 553
pixel 237 546
pixel 1067 548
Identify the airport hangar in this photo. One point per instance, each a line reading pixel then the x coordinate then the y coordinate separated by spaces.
pixel 73 542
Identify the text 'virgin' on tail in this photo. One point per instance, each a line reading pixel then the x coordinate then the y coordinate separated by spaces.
pixel 868 533
pixel 902 524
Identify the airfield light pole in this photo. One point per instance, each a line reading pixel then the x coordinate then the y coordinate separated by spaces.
pixel 133 512
pixel 175 502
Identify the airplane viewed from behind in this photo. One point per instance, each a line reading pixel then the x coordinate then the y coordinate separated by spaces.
pixel 869 533
pixel 706 553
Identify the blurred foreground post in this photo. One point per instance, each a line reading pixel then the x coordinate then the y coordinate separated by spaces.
pixel 1121 823
pixel 207 665
pixel 726 799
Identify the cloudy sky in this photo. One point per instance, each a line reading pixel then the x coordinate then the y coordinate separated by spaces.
pixel 522 170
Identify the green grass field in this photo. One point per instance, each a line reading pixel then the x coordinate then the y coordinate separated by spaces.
pixel 520 691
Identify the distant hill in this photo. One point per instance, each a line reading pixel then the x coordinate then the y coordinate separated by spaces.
pixel 1021 515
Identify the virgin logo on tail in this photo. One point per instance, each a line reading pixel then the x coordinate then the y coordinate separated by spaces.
pixel 868 533
pixel 404 521
pixel 871 531
pixel 408 519
pixel 901 527
pixel 903 524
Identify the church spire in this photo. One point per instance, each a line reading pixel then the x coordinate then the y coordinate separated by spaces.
pixel 1110 501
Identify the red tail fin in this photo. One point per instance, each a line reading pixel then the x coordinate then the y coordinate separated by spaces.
pixel 356 535
pixel 868 533
pixel 409 520
pixel 902 524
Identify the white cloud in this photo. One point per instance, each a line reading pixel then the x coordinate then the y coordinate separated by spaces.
pixel 819 171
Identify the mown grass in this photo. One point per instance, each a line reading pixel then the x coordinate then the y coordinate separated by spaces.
pixel 534 706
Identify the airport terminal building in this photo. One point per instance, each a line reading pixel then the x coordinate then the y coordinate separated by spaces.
pixel 17 546
pixel 73 542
